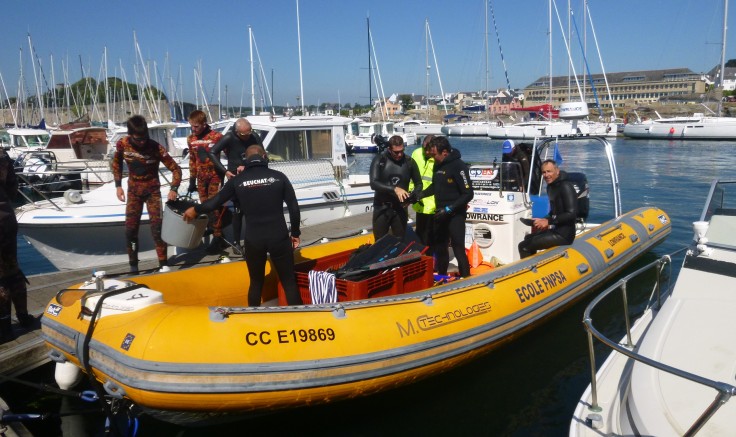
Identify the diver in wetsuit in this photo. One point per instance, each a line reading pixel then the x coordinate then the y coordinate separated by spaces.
pixel 558 227
pixel 203 178
pixel 234 144
pixel 143 155
pixel 452 193
pixel 12 280
pixel 390 174
pixel 262 193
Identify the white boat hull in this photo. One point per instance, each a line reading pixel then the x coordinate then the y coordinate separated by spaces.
pixel 701 128
pixel 479 129
pixel 81 236
pixel 88 230
pixel 533 129
pixel 676 377
pixel 421 129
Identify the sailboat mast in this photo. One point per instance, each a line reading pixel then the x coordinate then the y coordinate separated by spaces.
pixel 107 87
pixel 35 78
pixel 370 67
pixel 485 98
pixel 550 59
pixel 437 68
pixel 252 79
pixel 723 49
pixel 426 59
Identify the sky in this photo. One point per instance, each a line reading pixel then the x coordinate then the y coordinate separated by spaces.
pixel 211 38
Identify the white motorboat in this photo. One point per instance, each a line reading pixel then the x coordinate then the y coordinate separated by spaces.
pixel 182 130
pixel 419 127
pixel 365 140
pixel 80 155
pixel 673 371
pixel 162 133
pixel 468 128
pixel 695 127
pixel 87 229
pixel 540 128
pixel 82 150
pixel 18 140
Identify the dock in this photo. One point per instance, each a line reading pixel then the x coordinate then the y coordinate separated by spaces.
pixel 28 350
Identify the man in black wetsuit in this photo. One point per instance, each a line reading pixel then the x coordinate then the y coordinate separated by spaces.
pixel 452 193
pixel 390 174
pixel 234 144
pixel 262 193
pixel 558 227
pixel 12 280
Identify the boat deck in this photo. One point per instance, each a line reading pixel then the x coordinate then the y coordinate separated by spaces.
pixel 28 351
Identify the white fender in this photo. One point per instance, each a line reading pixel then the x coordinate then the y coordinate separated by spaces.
pixel 67 375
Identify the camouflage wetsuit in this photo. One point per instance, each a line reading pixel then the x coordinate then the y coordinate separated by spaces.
pixel 143 187
pixel 12 280
pixel 203 171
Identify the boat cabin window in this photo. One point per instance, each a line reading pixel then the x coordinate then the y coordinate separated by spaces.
pixel 301 145
pixel 160 136
pixel 366 129
pixel 5 140
pixel 351 129
pixel 32 140
pixel 182 131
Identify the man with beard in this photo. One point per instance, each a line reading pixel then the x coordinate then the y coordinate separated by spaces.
pixel 143 156
pixel 390 174
pixel 452 192
pixel 234 144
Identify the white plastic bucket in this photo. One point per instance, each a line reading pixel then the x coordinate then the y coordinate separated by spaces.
pixel 176 232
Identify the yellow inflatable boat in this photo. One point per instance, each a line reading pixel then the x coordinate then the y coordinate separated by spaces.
pixel 180 344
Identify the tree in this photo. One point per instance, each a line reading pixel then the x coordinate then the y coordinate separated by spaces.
pixel 407 102
pixel 731 63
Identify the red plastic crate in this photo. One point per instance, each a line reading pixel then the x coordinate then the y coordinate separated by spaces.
pixel 407 278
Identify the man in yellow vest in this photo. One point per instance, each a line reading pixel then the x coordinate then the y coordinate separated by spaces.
pixel 424 208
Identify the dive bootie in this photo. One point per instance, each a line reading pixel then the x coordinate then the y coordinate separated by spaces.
pixel 6 330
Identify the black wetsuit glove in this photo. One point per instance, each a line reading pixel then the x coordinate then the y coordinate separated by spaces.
pixel 443 213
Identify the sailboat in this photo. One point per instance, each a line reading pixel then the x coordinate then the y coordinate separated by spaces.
pixel 570 119
pixel 696 127
pixel 425 127
pixel 480 127
pixel 373 133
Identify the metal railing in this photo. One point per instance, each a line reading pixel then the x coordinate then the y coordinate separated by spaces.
pixel 725 391
pixel 36 183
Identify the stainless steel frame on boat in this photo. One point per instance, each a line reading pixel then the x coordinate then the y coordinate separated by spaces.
pixel 629 348
pixel 545 148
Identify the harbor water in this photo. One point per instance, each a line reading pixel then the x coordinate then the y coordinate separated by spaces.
pixel 526 388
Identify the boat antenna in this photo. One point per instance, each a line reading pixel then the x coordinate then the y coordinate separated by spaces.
pixel 723 51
